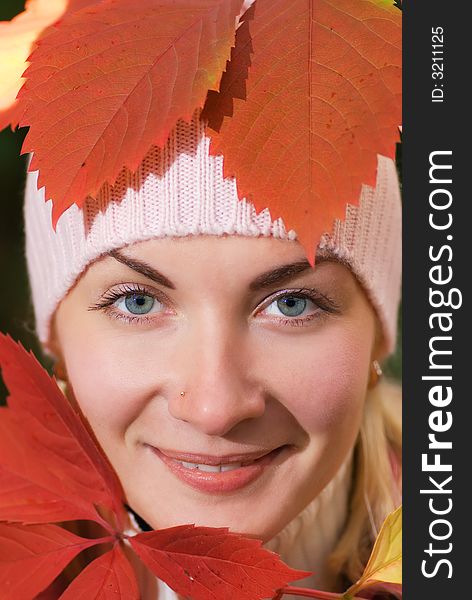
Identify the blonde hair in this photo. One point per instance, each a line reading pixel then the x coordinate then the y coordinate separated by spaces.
pixel 376 487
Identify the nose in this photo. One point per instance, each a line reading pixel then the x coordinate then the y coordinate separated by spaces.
pixel 216 391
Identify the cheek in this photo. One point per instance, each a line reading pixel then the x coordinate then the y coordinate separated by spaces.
pixel 322 380
pixel 102 372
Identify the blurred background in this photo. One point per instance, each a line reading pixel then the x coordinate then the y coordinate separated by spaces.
pixel 16 313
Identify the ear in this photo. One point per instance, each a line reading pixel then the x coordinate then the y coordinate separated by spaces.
pixel 379 349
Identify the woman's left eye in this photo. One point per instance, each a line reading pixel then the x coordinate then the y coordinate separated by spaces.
pixel 138 304
pixel 291 306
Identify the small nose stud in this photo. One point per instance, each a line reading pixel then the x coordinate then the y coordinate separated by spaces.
pixel 182 393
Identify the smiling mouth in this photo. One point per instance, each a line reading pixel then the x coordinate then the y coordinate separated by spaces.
pixel 217 474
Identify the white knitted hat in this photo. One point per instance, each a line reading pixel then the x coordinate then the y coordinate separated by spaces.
pixel 180 190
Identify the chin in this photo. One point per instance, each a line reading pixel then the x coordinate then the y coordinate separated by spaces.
pixel 257 525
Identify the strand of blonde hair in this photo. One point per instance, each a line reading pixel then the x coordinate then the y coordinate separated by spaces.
pixel 376 484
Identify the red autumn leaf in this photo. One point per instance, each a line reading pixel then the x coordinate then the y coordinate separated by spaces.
pixel 111 80
pixel 106 578
pixel 26 502
pixel 302 141
pixel 72 465
pixel 31 556
pixel 211 564
pixel 74 5
pixel 40 439
pixel 30 494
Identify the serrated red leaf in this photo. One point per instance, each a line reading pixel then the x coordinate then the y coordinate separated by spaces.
pixel 113 79
pixel 23 501
pixel 212 564
pixel 300 140
pixel 109 577
pixel 32 556
pixel 45 442
pixel 33 491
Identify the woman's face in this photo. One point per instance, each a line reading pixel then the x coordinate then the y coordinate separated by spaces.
pixel 229 353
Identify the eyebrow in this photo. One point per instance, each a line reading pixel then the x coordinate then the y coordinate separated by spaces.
pixel 143 268
pixel 283 273
pixel 264 280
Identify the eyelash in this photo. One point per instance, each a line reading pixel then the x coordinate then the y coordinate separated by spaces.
pixel 323 303
pixel 111 296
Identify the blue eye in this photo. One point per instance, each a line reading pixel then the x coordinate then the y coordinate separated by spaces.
pixel 291 306
pixel 138 304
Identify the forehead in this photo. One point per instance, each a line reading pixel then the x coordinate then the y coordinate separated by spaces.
pixel 249 260
pixel 219 270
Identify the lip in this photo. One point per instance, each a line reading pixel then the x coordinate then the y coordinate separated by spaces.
pixel 219 482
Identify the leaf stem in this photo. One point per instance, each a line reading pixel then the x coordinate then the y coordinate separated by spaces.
pixel 104 523
pixel 103 540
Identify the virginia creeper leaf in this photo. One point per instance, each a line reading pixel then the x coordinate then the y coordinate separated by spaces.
pixel 106 578
pixel 33 491
pixel 16 40
pixel 300 140
pixel 32 556
pixel 23 501
pixel 43 438
pixel 385 562
pixel 112 79
pixel 211 564
pixel 200 562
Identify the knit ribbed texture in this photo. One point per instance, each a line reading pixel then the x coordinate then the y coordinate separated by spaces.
pixel 180 190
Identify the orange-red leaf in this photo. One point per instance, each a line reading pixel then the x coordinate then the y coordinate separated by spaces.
pixel 26 502
pixel 313 89
pixel 208 564
pixel 32 556
pixel 109 577
pixel 111 80
pixel 44 441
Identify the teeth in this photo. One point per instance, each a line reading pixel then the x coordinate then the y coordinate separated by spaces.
pixel 211 468
pixel 189 465
pixel 230 467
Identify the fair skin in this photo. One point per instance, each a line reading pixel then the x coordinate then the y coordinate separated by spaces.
pixel 273 362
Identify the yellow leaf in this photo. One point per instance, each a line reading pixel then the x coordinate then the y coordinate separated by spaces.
pixel 385 562
pixel 16 40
